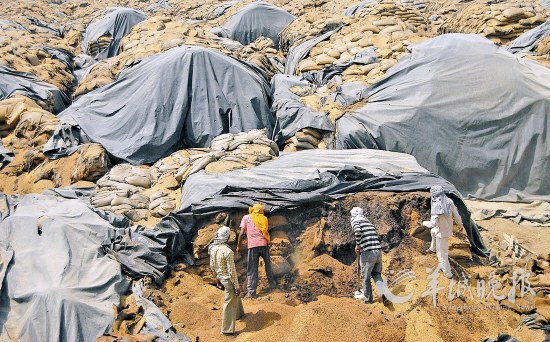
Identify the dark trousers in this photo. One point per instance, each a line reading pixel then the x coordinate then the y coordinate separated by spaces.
pixel 254 254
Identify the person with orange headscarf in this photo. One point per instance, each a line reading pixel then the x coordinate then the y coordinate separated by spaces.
pixel 254 227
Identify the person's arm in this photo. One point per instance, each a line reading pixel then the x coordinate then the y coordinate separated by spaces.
pixel 433 222
pixel 232 272
pixel 456 216
pixel 242 234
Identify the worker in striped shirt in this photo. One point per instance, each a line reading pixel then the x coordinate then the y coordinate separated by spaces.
pixel 366 243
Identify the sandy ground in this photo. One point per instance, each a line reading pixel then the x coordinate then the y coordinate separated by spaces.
pixel 195 307
pixel 196 311
pixel 535 239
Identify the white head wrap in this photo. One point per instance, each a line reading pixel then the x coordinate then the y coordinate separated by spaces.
pixel 222 235
pixel 357 214
pixel 441 204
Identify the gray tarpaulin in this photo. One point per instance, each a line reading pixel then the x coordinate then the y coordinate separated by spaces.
pixel 529 41
pixel 56 31
pixel 253 21
pixel 350 11
pixel 468 111
pixel 219 10
pixel 14 82
pixel 6 155
pixel 298 52
pixel 61 273
pixel 184 97
pixel 305 178
pixel 116 24
pixel 59 286
pixel 7 25
pixel 293 115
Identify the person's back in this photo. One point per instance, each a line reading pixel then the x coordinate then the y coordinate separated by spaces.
pixel 368 245
pixel 221 257
pixel 254 227
pixel 254 236
pixel 366 235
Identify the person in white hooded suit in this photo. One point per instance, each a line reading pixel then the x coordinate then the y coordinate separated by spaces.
pixel 443 213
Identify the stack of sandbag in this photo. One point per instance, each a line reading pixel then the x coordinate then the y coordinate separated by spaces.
pixel 308 26
pixel 100 74
pixel 19 52
pixel 305 139
pixel 390 37
pixel 169 173
pixel 419 4
pixel 151 36
pixel 413 18
pixel 263 54
pixel 121 191
pixel 542 52
pixel 25 128
pixel 500 22
pixel 241 150
pixel 227 152
pixel 204 9
pixel 102 43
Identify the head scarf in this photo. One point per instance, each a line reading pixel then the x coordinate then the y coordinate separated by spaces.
pixel 357 214
pixel 259 219
pixel 221 237
pixel 441 204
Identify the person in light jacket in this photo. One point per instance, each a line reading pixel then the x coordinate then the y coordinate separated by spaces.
pixel 222 265
pixel 443 213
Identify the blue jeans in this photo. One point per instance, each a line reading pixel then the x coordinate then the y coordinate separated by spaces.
pixel 371 266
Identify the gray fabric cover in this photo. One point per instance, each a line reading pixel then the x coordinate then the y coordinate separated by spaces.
pixel 117 23
pixel 299 52
pixel 529 41
pixel 6 156
pixel 61 264
pixel 293 115
pixel 351 10
pixel 59 286
pixel 308 178
pixel 253 21
pixel 184 97
pixel 14 82
pixel 468 111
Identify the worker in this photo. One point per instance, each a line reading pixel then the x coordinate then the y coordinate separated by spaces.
pixel 443 213
pixel 254 227
pixel 370 250
pixel 222 265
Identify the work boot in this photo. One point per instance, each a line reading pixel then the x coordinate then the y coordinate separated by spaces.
pixel 251 295
pixel 429 251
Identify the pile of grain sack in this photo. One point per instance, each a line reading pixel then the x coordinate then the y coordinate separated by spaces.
pixel 151 36
pixel 500 22
pixel 24 128
pixel 19 52
pixel 385 28
pixel 160 33
pixel 139 192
